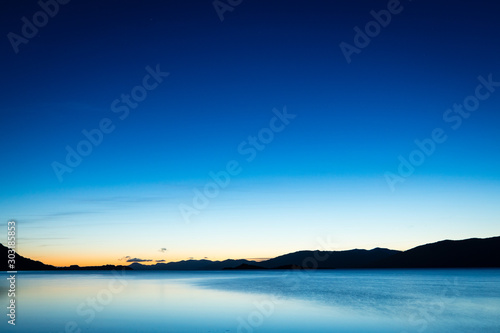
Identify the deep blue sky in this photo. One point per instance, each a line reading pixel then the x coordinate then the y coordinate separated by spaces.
pixel 353 121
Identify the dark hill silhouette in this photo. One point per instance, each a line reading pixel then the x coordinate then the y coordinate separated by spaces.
pixel 306 259
pixel 193 265
pixel 93 268
pixel 245 266
pixel 330 259
pixel 469 253
pixel 22 263
pixel 474 252
pixel 26 264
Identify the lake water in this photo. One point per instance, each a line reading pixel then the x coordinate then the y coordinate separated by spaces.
pixel 256 301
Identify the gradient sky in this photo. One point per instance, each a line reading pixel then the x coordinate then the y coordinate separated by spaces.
pixel 321 180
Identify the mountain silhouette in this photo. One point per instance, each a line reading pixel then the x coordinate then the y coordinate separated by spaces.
pixel 21 263
pixel 245 266
pixel 468 253
pixel 26 264
pixel 193 265
pixel 474 252
pixel 330 259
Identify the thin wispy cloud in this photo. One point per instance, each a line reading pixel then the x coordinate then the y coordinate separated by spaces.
pixel 34 218
pixel 124 199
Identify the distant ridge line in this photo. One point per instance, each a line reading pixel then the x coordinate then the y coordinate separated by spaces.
pixel 467 253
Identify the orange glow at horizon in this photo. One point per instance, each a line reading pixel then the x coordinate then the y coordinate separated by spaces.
pixel 84 260
pixel 75 254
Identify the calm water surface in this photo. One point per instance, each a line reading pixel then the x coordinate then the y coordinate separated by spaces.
pixel 256 301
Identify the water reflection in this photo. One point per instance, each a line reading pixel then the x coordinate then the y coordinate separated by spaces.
pixel 320 301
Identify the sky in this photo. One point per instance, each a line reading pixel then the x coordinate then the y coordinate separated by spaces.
pixel 169 130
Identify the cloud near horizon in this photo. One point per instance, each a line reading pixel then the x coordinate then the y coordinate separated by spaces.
pixel 139 260
pixel 130 259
